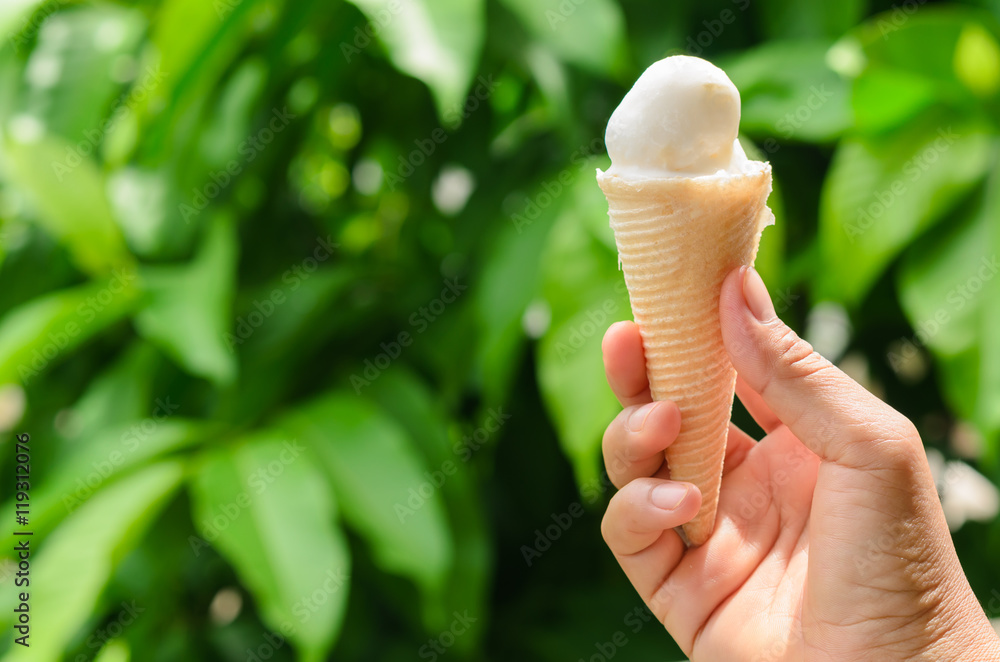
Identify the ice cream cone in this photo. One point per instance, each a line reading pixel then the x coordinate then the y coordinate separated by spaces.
pixel 678 238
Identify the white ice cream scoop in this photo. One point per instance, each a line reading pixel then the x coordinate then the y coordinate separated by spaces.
pixel 681 118
pixel 687 208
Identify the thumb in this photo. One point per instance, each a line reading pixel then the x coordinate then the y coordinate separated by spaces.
pixel 833 415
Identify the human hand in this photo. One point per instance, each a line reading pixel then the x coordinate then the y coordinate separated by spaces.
pixel 829 542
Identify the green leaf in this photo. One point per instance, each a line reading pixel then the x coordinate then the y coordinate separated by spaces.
pixel 586 294
pixel 139 198
pixel 37 333
pixel 98 461
pixel 770 261
pixel 301 301
pixel 78 559
pixel 273 353
pixel 590 34
pixel 189 308
pixel 885 99
pixel 384 488
pixel 988 402
pixel 924 43
pixel 552 78
pixel 960 382
pixel 28 245
pixel 882 192
pixel 192 44
pixel 120 394
pixel 788 90
pixel 116 650
pixel 573 384
pixel 580 256
pixel 267 509
pixel 809 19
pixel 509 281
pixel 941 56
pixel 438 42
pixel 230 124
pixel 414 406
pixel 950 292
pixel 405 397
pixel 79 216
pixel 73 81
pixel 933 284
pixel 207 165
pixel 977 60
pixel 15 19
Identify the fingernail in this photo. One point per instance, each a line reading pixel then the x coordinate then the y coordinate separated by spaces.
pixel 639 416
pixel 669 495
pixel 756 296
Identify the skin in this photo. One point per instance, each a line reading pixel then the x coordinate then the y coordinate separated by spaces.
pixel 830 543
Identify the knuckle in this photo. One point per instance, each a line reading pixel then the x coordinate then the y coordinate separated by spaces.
pixel 895 428
pixel 898 447
pixel 900 436
pixel 616 518
pixel 899 458
pixel 613 433
pixel 789 357
pixel 608 439
pixel 899 427
pixel 616 461
pixel 906 430
pixel 633 524
pixel 796 357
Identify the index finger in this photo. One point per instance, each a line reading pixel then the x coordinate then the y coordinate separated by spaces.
pixel 625 364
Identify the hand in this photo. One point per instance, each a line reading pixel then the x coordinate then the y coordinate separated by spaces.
pixel 829 544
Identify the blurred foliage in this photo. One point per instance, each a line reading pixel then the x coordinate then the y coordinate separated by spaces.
pixel 302 302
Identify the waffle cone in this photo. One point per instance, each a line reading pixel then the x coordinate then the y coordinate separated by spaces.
pixel 678 238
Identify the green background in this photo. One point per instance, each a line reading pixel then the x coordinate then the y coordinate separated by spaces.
pixel 305 324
